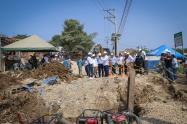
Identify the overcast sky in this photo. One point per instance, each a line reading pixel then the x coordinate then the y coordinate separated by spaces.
pixel 150 23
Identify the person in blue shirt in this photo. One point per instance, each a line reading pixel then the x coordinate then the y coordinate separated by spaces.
pixel 80 64
pixel 67 63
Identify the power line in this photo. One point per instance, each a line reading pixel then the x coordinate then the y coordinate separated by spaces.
pixel 124 16
pixel 98 6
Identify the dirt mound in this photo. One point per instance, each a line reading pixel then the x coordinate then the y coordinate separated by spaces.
pixel 146 95
pixel 21 102
pixel 7 81
pixel 50 69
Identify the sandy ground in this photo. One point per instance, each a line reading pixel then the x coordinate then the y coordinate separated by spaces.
pixel 152 95
pixel 105 93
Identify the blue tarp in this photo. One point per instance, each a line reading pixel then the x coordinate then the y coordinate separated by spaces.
pixel 50 80
pixel 158 51
pixel 152 64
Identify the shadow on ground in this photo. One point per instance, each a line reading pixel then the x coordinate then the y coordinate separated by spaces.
pixel 155 120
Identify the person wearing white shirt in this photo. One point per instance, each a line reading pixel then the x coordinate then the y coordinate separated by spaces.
pixel 86 66
pixel 128 59
pixel 106 64
pixel 90 65
pixel 113 60
pixel 95 65
pixel 100 65
pixel 120 62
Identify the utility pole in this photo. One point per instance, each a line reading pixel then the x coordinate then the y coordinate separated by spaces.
pixel 112 18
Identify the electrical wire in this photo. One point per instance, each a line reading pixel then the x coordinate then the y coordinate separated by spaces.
pixel 124 16
pixel 98 6
pixel 101 4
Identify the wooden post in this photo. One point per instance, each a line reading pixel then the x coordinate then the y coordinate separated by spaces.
pixel 130 90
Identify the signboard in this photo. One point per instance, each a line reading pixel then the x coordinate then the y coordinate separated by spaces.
pixel 178 39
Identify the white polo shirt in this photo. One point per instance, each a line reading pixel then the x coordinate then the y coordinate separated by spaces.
pixel 105 60
pixel 99 60
pixel 130 59
pixel 120 60
pixel 90 60
pixel 113 60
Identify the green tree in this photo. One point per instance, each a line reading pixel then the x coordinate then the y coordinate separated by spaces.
pixel 73 37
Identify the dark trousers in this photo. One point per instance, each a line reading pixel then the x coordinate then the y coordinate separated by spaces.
pixel 87 70
pixel 90 66
pixel 100 70
pixel 125 68
pixel 106 70
pixel 113 69
pixel 120 69
pixel 169 73
pixel 174 73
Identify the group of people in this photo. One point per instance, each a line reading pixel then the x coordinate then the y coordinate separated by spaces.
pixel 101 65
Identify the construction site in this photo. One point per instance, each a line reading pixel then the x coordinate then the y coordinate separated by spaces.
pixel 156 99
pixel 93 62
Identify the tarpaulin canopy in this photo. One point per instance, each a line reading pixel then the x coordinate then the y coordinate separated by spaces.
pixel 32 43
pixel 158 51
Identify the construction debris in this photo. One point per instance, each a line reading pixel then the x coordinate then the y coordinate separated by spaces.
pixel 50 69
pixel 70 99
pixel 7 81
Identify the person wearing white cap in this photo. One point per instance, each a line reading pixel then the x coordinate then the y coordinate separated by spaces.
pixel 106 64
pixel 120 62
pixel 143 54
pixel 95 65
pixel 128 59
pixel 90 65
pixel 100 65
pixel 113 60
pixel 168 64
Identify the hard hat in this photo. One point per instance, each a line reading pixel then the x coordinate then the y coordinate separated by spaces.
pixel 125 52
pixel 104 52
pixel 167 51
pixel 99 54
pixel 89 53
pixel 112 54
pixel 128 53
pixel 93 55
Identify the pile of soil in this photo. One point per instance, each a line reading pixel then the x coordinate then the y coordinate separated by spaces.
pixel 50 69
pixel 7 81
pixel 25 102
pixel 146 95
